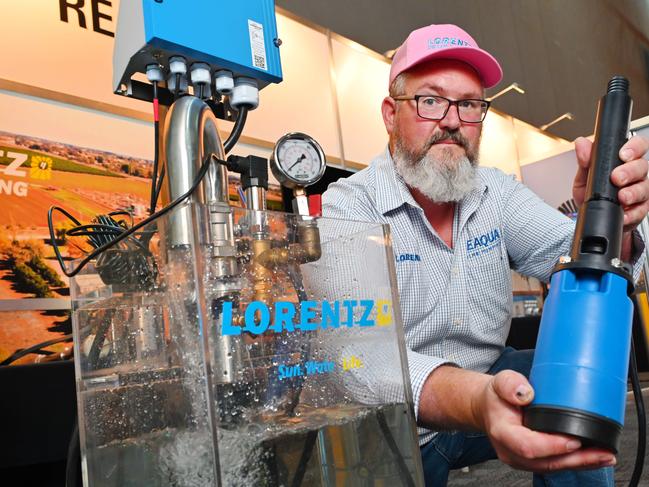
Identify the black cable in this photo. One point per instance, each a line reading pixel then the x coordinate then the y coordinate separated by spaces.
pixel 309 443
pixel 94 233
pixel 177 87
pixel 35 348
pixel 154 176
pixel 127 233
pixel 401 463
pixel 156 157
pixel 66 213
pixel 98 341
pixel 118 266
pixel 237 129
pixel 96 229
pixel 642 419
pixel 159 188
pixel 122 212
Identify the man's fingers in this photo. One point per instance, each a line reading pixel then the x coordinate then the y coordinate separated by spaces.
pixel 541 452
pixel 583 147
pixel 634 148
pixel 630 172
pixel 533 445
pixel 513 388
pixel 579 460
pixel 633 215
pixel 634 194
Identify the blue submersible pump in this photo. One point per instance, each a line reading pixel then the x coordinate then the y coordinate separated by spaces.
pixel 580 367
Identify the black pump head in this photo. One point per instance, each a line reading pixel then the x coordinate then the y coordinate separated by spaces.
pixel 597 243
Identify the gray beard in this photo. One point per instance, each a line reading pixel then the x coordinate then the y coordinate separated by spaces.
pixel 442 180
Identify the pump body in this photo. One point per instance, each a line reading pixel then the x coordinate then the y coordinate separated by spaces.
pixel 580 366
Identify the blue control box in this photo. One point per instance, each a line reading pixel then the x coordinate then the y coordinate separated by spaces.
pixel 240 36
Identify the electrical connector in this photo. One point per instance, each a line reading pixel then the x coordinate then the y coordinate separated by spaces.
pixel 154 73
pixel 253 170
pixel 224 82
pixel 245 92
pixel 177 65
pixel 200 73
pixel 201 79
pixel 171 83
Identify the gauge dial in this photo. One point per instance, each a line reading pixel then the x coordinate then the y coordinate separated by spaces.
pixel 297 160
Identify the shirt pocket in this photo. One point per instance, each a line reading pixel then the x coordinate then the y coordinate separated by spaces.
pixel 489 288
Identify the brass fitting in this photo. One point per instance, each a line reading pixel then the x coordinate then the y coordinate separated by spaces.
pixel 309 237
pixel 261 274
pixel 307 250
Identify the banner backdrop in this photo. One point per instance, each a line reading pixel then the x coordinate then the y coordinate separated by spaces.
pixel 89 158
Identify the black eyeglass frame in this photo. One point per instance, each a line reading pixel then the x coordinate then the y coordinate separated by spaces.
pixel 448 107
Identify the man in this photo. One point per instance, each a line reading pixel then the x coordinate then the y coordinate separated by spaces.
pixel 456 301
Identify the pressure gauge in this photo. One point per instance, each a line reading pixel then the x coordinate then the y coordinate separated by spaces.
pixel 297 160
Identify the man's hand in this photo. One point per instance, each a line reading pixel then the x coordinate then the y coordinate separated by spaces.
pixel 456 398
pixel 499 409
pixel 630 177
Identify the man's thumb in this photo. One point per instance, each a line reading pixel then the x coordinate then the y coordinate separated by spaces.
pixel 513 388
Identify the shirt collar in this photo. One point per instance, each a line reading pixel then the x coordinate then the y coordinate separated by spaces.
pixel 394 192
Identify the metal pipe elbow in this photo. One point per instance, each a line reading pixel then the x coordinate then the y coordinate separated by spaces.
pixel 308 249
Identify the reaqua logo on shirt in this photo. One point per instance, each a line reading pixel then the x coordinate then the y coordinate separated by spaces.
pixel 482 244
pixel 405 257
pixel 286 316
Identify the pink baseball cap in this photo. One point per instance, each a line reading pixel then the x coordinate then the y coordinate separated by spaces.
pixel 445 41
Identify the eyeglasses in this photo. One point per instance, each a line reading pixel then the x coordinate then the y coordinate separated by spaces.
pixel 433 107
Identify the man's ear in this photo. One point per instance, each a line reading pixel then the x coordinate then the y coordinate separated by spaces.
pixel 389 110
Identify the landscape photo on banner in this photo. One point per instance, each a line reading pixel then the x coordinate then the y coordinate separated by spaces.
pixel 35 174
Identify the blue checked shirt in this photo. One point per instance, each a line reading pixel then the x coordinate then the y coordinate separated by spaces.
pixel 456 302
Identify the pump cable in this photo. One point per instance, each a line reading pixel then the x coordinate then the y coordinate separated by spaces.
pixel 119 234
pixel 237 129
pixel 640 412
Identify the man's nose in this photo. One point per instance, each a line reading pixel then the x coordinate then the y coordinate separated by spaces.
pixel 452 119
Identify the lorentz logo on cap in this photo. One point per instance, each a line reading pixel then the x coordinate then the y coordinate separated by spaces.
pixel 446 41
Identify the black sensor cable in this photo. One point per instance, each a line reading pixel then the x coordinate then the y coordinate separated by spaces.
pixel 121 236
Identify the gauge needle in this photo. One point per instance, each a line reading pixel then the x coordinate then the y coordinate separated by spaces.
pixel 299 159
